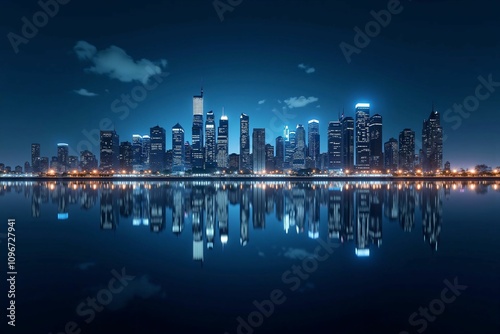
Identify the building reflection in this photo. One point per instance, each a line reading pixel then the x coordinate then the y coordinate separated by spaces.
pixel 352 213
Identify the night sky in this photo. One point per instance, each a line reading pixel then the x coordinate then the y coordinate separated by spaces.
pixel 278 61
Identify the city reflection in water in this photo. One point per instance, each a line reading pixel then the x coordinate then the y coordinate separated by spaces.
pixel 354 210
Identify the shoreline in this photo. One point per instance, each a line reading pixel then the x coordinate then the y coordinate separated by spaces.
pixel 250 178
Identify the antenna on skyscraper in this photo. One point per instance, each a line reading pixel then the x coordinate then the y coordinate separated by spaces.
pixel 202 87
pixel 222 111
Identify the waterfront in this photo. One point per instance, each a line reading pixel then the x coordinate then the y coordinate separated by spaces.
pixel 202 252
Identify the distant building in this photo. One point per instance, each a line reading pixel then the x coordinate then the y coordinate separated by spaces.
pixel 299 156
pixel 259 150
pixel 110 151
pixel 62 157
pixel 269 157
pixel 197 155
pixel 158 146
pixel 188 155
pixel 223 142
pixel 376 153
pixel 178 150
pixel 44 164
pixel 334 145
pixel 27 167
pixel 18 169
pixel 362 136
pixel 280 153
pixel 290 146
pixel 73 163
pixel 391 155
pixel 126 156
pixel 313 141
pixel 234 161
pixel 137 152
pixel 347 143
pixel 432 143
pixel 35 158
pixel 406 150
pixel 169 159
pixel 146 151
pixel 447 166
pixel 88 161
pixel 210 141
pixel 245 162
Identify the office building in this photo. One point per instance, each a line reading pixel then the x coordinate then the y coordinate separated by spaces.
pixel 313 141
pixel 178 149
pixel 406 150
pixel 62 157
pixel 347 143
pixel 259 150
pixel 391 155
pixel 335 145
pixel 376 153
pixel 158 147
pixel 197 152
pixel 210 142
pixel 432 143
pixel 223 142
pixel 280 154
pixel 362 136
pixel 245 162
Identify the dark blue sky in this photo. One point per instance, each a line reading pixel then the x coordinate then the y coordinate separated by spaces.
pixel 430 51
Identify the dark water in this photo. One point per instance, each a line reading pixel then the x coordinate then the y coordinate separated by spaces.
pixel 253 257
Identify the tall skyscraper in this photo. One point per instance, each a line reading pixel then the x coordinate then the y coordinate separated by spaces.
pixel 290 146
pixel 391 155
pixel 259 150
pixel 347 143
pixel 376 154
pixel 222 142
pixel 35 158
pixel 158 147
pixel 197 155
pixel 362 136
pixel 245 142
pixel 110 151
pixel 299 156
pixel 137 148
pixel 280 153
pixel 335 145
pixel 88 161
pixel 432 143
pixel 406 150
pixel 313 141
pixel 210 141
pixel 269 157
pixel 178 151
pixel 126 156
pixel 62 157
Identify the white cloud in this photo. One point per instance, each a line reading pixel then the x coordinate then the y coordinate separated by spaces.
pixel 84 92
pixel 299 102
pixel 308 69
pixel 115 63
pixel 262 101
pixel 298 254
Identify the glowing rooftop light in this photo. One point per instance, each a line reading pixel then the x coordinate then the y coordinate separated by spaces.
pixel 313 121
pixel 362 105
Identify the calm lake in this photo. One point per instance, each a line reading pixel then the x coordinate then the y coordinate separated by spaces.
pixel 255 257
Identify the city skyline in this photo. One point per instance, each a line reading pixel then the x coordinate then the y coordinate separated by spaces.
pixel 249 68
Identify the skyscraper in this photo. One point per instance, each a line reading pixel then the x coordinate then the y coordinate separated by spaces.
pixel 432 143
pixel 313 141
pixel 178 148
pixel 376 154
pixel 110 150
pixel 406 149
pixel 347 143
pixel 137 148
pixel 210 141
pixel 335 145
pixel 88 161
pixel 259 150
pixel 197 155
pixel 222 142
pixel 158 146
pixel 146 151
pixel 245 142
pixel 280 153
pixel 269 157
pixel 290 145
pixel 362 136
pixel 299 156
pixel 391 155
pixel 62 157
pixel 35 157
